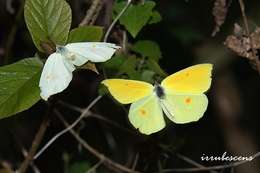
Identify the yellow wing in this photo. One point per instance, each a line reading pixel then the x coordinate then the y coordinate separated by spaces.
pixel 193 80
pixel 128 91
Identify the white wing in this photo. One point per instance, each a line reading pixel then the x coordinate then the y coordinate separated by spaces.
pixel 184 108
pixel 80 53
pixel 56 75
pixel 146 115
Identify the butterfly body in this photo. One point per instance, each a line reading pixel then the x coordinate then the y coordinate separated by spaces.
pixel 158 89
pixel 180 96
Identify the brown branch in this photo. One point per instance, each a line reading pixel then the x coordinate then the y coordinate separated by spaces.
pixel 33 166
pixel 36 142
pixel 254 52
pixel 91 114
pixel 242 8
pixel 91 12
pixel 217 167
pixel 54 138
pixel 95 16
pixel 192 162
pixel 106 161
pixel 11 36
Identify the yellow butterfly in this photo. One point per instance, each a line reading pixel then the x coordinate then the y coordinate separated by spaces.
pixel 180 96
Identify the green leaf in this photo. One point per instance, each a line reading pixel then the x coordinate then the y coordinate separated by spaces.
pixel 148 49
pixel 154 66
pixel 86 33
pixel 115 62
pixel 155 17
pixel 129 68
pixel 19 86
pixel 78 167
pixel 47 20
pixel 136 16
pixel 148 75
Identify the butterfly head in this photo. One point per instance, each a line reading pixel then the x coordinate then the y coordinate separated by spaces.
pixel 61 49
pixel 159 91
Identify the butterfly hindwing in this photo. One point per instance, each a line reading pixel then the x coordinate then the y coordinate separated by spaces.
pixel 146 115
pixel 184 108
pixel 92 51
pixel 128 91
pixel 193 80
pixel 56 75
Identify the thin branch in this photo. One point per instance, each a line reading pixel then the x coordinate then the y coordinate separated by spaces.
pixel 95 115
pixel 33 166
pixel 116 19
pixel 10 38
pixel 107 161
pixel 217 167
pixel 242 7
pixel 254 52
pixel 135 161
pixel 9 7
pixel 72 107
pixel 91 12
pixel 36 142
pixel 93 168
pixel 84 113
pixel 95 16
pixel 192 162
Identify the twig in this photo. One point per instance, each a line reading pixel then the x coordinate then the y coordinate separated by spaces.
pixel 107 161
pixel 91 12
pixel 95 115
pixel 9 7
pixel 116 19
pixel 242 7
pixel 36 142
pixel 217 167
pixel 135 161
pixel 95 16
pixel 72 107
pixel 11 35
pixel 84 113
pixel 33 166
pixel 192 162
pixel 93 168
pixel 254 53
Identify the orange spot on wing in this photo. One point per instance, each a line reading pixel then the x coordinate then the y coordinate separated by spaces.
pixel 142 112
pixel 188 100
pixel 187 74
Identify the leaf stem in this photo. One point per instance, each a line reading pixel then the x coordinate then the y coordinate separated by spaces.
pixel 116 19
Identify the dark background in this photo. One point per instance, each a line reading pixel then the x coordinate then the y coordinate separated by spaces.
pixel 230 124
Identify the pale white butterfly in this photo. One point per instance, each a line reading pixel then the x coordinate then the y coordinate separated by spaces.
pixel 57 71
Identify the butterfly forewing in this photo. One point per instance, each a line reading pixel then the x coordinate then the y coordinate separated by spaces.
pixel 128 91
pixel 193 80
pixel 92 51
